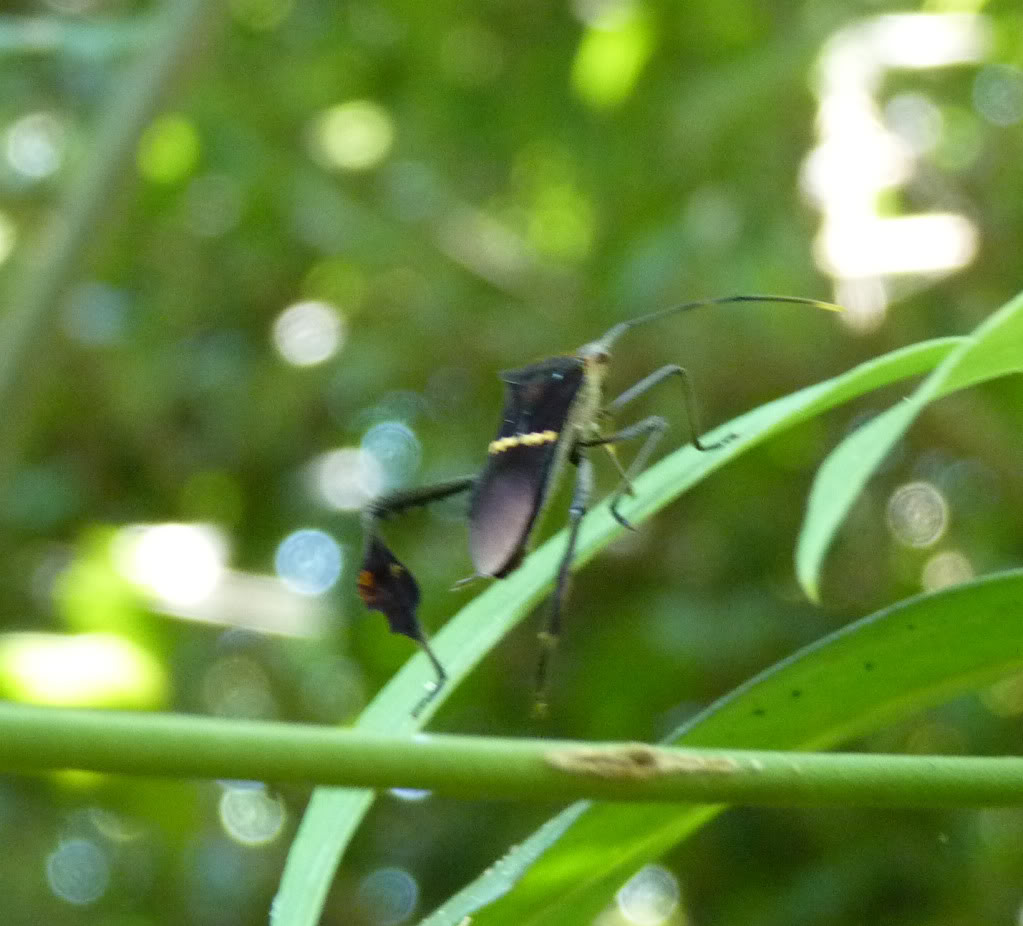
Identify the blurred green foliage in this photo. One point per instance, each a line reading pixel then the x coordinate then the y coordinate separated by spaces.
pixel 470 187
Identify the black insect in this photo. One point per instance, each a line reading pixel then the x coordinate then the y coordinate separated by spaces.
pixel 553 412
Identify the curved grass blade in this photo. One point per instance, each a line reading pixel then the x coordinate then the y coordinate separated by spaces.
pixel 334 813
pixel 916 654
pixel 994 349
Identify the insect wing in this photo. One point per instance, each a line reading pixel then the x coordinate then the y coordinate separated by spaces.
pixel 385 585
pixel 511 490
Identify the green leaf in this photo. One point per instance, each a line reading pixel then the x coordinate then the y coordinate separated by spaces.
pixel 918 653
pixel 333 814
pixel 994 349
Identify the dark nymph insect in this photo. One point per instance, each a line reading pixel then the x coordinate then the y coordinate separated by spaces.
pixel 554 413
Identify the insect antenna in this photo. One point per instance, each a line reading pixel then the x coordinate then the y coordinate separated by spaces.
pixel 618 330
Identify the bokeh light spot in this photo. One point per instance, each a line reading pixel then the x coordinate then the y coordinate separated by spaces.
pixel 860 163
pixel 34 145
pixel 596 12
pixel 78 872
pixel 237 686
pixel 168 150
pixel 346 479
pixel 649 897
pixel 308 561
pixel 998 94
pixel 79 670
pixel 115 827
pixel 918 514
pixel 179 564
pixel 388 896
pixel 353 136
pixel 395 447
pixel 410 794
pixel 949 567
pixel 308 333
pixel 916 120
pixel 250 815
pixel 611 55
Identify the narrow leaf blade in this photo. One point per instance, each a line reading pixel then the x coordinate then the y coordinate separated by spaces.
pixel 994 349
pixel 894 663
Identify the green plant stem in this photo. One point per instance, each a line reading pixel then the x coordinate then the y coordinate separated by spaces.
pixel 31 304
pixel 38 738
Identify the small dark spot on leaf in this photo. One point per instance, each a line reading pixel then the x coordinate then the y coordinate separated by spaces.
pixel 869 666
pixel 910 626
pixel 797 692
pixel 758 712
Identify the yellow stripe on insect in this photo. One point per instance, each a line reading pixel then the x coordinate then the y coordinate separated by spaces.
pixel 533 439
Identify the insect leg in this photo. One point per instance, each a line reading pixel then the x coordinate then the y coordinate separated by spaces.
pixel 655 379
pixel 386 585
pixel 652 429
pixel 383 506
pixel 431 690
pixel 552 631
pixel 401 500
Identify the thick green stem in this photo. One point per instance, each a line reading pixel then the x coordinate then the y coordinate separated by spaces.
pixel 36 739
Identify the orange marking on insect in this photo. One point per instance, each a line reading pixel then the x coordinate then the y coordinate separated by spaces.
pixel 366 583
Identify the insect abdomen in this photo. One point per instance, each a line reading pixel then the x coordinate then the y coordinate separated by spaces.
pixel 522 462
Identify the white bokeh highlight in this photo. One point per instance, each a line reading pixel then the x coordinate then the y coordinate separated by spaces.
pixel 308 333
pixel 178 564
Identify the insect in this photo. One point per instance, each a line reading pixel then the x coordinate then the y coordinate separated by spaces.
pixel 553 414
